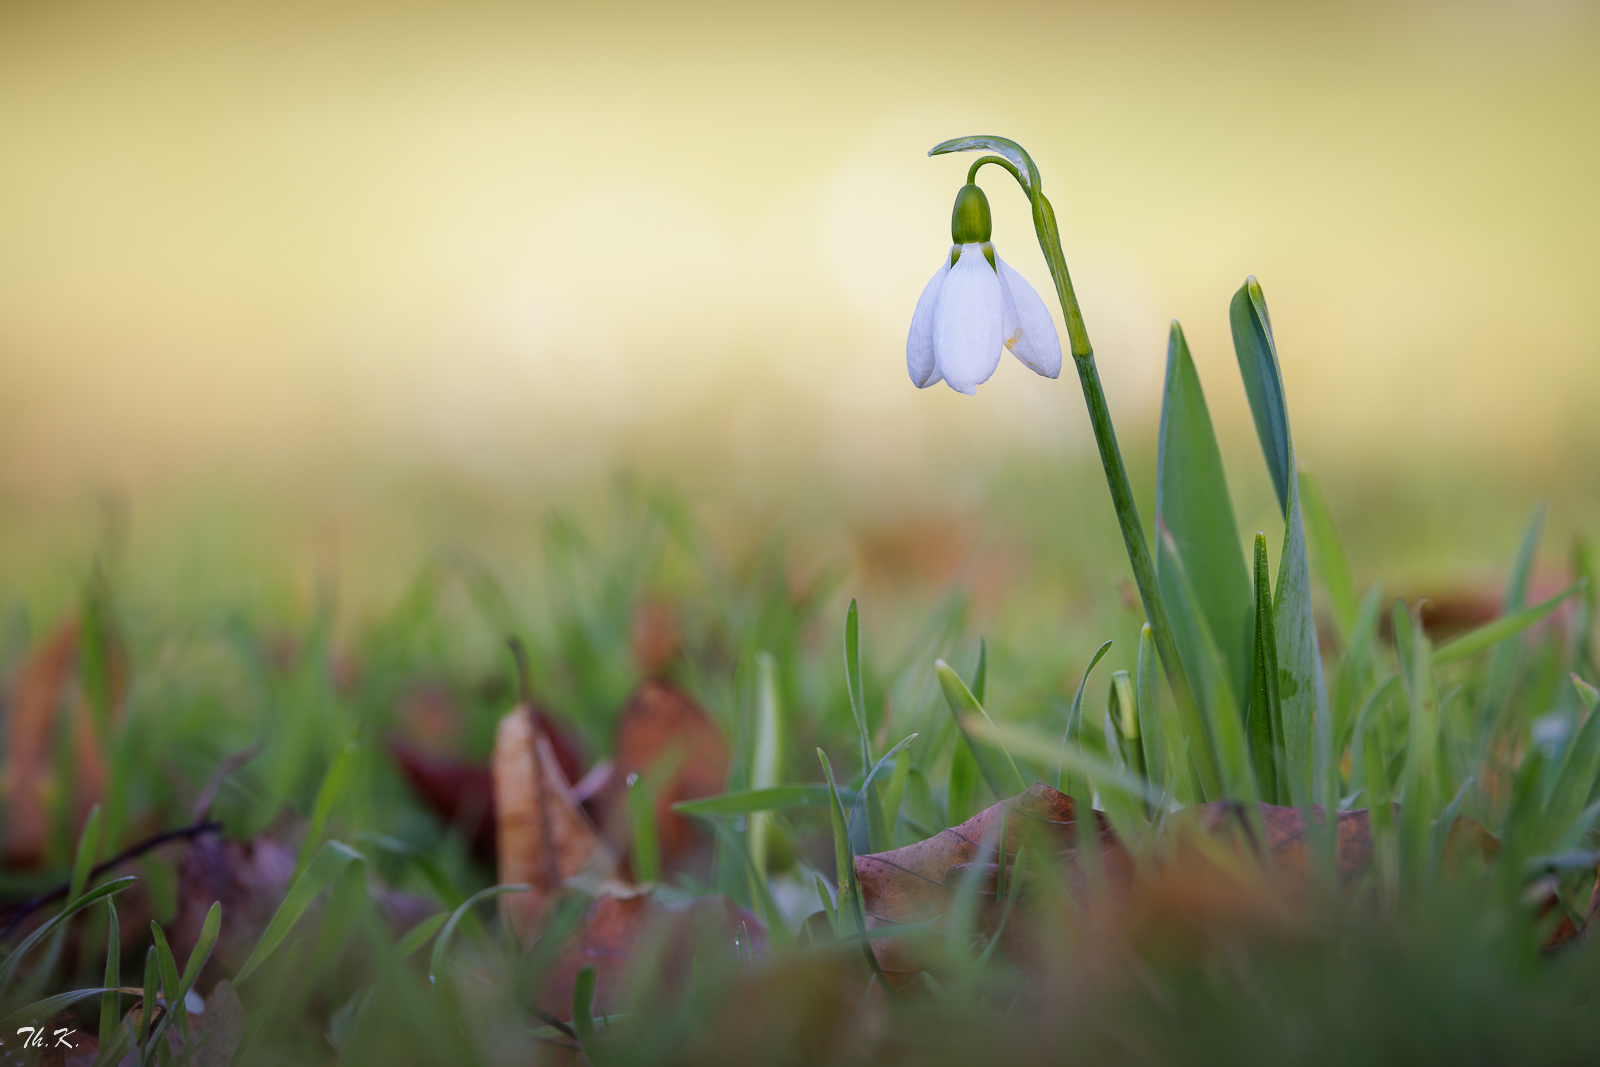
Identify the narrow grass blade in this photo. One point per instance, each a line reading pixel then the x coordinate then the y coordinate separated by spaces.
pixel 1307 737
pixel 83 860
pixel 1265 717
pixel 152 986
pixel 853 682
pixel 1123 709
pixel 776 798
pixel 642 796
pixel 1221 735
pixel 441 945
pixel 8 969
pixel 1575 778
pixel 419 935
pixel 170 986
pixel 852 916
pixel 333 786
pixel 1152 730
pixel 41 1010
pixel 1503 664
pixel 876 835
pixel 1421 773
pixel 1036 747
pixel 767 760
pixel 111 1003
pixel 866 786
pixel 1490 634
pixel 177 988
pixel 961 791
pixel 583 988
pixel 895 793
pixel 1194 506
pixel 1328 558
pixel 1073 737
pixel 1355 665
pixel 828 909
pixel 328 864
pixel 994 762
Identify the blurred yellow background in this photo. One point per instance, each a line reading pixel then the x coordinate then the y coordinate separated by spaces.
pixel 296 247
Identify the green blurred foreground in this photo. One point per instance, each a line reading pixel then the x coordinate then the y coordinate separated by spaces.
pixel 1447 916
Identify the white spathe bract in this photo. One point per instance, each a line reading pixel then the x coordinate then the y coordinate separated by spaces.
pixel 968 313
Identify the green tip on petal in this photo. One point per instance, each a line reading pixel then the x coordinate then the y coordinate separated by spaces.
pixel 970 222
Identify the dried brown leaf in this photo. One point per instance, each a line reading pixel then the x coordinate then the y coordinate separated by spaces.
pixel 620 932
pixel 543 837
pixel 660 721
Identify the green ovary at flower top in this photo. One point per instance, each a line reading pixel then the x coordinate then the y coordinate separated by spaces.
pixel 974 307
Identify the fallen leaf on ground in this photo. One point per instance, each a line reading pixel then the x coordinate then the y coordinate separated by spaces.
pixel 619 932
pixel 543 837
pixel 461 792
pixel 919 883
pixel 249 878
pixel 47 688
pixel 661 721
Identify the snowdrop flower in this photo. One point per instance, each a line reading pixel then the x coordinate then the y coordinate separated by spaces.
pixel 974 307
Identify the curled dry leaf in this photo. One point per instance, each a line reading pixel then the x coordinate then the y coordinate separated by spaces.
pixel 45 689
pixel 660 722
pixel 616 928
pixel 461 792
pixel 543 837
pixel 919 882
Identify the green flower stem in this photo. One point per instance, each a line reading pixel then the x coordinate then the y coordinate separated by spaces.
pixel 1021 167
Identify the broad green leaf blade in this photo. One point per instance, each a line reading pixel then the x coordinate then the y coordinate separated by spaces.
pixel 1220 737
pixel 328 864
pixel 1327 555
pixel 1193 505
pixel 776 798
pixel 152 986
pixel 1000 146
pixel 1490 634
pixel 441 945
pixel 1257 353
pixel 1265 715
pixel 980 673
pixel 1152 730
pixel 1307 730
pixel 1073 737
pixel 994 762
pixel 8 970
pixel 767 760
pixel 1503 664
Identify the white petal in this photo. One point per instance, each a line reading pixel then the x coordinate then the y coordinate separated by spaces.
pixel 919 344
pixel 1028 330
pixel 967 322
